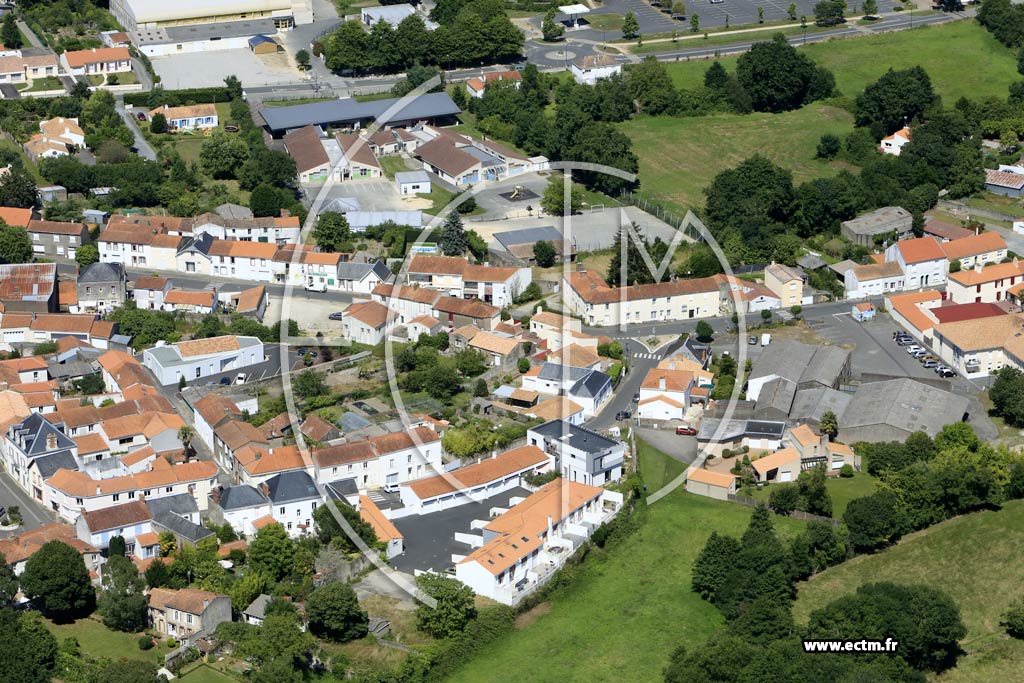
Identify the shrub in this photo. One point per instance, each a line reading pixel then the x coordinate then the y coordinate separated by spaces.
pixel 1013 619
pixel 524 365
pixel 145 642
pixel 728 453
pixel 172 643
pixel 846 471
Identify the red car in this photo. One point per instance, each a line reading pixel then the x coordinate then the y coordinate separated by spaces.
pixel 686 431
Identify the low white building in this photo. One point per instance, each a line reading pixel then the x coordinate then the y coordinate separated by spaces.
pixel 874 279
pixel 367 322
pixel 922 261
pixel 893 144
pixel 191 117
pixel 983 248
pixel 149 292
pixel 665 394
pixel 200 358
pixel 521 548
pixel 411 183
pixel 591 68
pixel 293 498
pixel 985 284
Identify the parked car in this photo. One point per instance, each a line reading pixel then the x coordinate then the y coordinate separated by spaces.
pixel 240 378
pixel 914 348
pixel 623 415
pixel 752 341
pixel 141 116
pixel 943 371
pixel 929 357
pixel 316 287
pixel 931 364
pixel 225 381
pixel 636 397
pixel 905 341
pixel 336 316
pixel 686 431
pixel 919 353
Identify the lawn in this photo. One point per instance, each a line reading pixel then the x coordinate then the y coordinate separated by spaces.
pixel 29 165
pixel 841 490
pixel 46 83
pixel 623 617
pixel 606 21
pixel 656 467
pixel 99 641
pixel 391 165
pixel 982 68
pixel 204 673
pixel 975 559
pixel 855 61
pixel 680 156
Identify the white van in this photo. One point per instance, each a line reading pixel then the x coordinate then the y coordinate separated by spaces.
pixel 316 287
pixel 766 339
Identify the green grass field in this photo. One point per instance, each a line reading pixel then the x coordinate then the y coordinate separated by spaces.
pixel 97 641
pixel 391 165
pixel 657 468
pixel 203 673
pixel 680 156
pixel 861 60
pixel 841 490
pixel 622 618
pixel 974 558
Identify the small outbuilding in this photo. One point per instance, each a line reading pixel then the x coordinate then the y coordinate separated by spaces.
pixel 264 45
pixel 717 485
pixel 863 312
pixel 411 183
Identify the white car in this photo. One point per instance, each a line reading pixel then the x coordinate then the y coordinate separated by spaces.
pixel 240 378
pixel 316 287
pixel 914 348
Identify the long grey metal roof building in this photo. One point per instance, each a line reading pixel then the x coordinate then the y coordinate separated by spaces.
pixel 348 111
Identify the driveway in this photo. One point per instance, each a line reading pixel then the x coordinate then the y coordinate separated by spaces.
pixel 142 147
pixel 33 514
pixel 681 448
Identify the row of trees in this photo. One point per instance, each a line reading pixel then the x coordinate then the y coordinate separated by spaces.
pixel 479 33
pixel 926 482
pixel 751 582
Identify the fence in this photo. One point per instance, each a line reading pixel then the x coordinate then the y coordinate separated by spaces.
pixel 795 514
pixel 662 213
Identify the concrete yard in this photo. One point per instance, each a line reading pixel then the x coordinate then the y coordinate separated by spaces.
pixel 209 69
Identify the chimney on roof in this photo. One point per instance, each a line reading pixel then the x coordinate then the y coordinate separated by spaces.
pixel 661 383
pixel 977 266
pixel 51 441
pixel 206 603
pixel 265 489
pixel 551 531
pixel 216 495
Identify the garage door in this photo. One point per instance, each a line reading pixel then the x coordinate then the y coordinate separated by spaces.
pixel 785 476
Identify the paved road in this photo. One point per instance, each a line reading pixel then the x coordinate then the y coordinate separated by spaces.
pixel 141 145
pixel 33 40
pixel 33 514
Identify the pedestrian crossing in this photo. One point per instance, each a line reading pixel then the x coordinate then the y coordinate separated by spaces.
pixel 647 356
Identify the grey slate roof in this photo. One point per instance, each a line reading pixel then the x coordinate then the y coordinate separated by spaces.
pixel 180 504
pixel 579 438
pixel 591 386
pixel 360 220
pixel 240 496
pixel 903 404
pixel 101 272
pixel 291 486
pixel 258 608
pixel 35 430
pixel 811 262
pixel 348 110
pixel 343 489
pixel 49 464
pixel 357 271
pixel 554 372
pixel 182 527
pixel 735 429
pixel 200 243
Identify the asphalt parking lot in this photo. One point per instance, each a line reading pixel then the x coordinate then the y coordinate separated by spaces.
pixel 373 194
pixel 430 539
pixel 874 351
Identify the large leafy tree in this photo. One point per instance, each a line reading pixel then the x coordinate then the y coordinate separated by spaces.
pixel 223 154
pixel 271 551
pixel 925 621
pixel 634 271
pixel 602 143
pixel 776 76
pixel 128 671
pixel 331 231
pixel 15 246
pixel 749 199
pixel 651 86
pixel 554 201
pixel 56 579
pixel 713 564
pixel 454 608
pixel 29 649
pixel 1007 394
pixel 122 603
pixel 18 189
pixel 874 521
pixel 8 583
pixel 894 100
pixel 334 613
pixel 330 531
